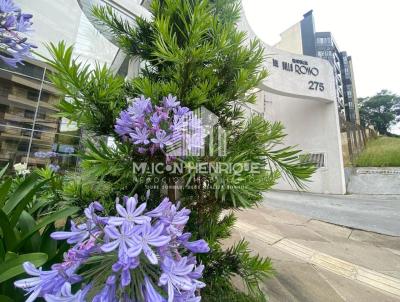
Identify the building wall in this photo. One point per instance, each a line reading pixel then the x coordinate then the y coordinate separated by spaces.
pixel 313 127
pixel 63 20
pixel 21 134
pixel 27 113
pixel 354 93
pixel 307 32
pixel 291 40
pixel 300 92
pixel 308 112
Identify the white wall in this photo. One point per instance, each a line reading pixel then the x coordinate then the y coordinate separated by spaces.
pixel 291 40
pixel 63 20
pixel 309 115
pixel 313 127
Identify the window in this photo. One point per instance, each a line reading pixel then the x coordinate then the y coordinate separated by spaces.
pixel 45 96
pixel 26 130
pixel 31 114
pixel 324 41
pixel 3 110
pixel 32 95
pixel 4 89
pixel 26 69
pixel 23 146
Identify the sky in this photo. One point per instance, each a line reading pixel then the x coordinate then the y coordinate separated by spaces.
pixel 368 30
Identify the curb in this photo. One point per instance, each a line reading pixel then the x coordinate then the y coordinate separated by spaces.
pixel 340 267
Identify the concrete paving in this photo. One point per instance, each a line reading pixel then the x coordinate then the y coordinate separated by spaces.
pixel 318 261
pixel 375 213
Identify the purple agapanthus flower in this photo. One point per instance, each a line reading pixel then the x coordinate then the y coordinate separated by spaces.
pixel 124 267
pixel 130 215
pixel 45 282
pixel 43 154
pixel 54 167
pixel 175 220
pixel 150 294
pixel 140 136
pixel 124 125
pixel 13 22
pixel 8 6
pixel 122 239
pixel 77 234
pixel 140 106
pixel 198 246
pixel 140 254
pixel 170 101
pixel 67 295
pixel 181 111
pixel 108 293
pixel 150 236
pixel 169 127
pixel 161 139
pixel 175 276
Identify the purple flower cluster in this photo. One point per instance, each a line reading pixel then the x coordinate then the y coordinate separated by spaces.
pixel 141 256
pixel 171 128
pixel 43 154
pixel 14 48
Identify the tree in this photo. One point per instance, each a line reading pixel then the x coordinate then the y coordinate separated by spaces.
pixel 193 50
pixel 380 111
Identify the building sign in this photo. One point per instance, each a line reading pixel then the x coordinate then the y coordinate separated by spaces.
pixel 301 67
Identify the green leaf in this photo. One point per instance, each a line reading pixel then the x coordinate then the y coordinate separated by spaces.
pixel 9 237
pixel 4 189
pixel 2 251
pixel 48 244
pixel 23 190
pixel 3 171
pixel 21 197
pixel 10 256
pixel 5 299
pixel 26 223
pixel 13 267
pixel 49 219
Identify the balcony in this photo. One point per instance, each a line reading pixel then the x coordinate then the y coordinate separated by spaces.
pixel 21 101
pixel 48 122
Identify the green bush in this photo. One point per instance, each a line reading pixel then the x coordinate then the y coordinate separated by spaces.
pixel 25 228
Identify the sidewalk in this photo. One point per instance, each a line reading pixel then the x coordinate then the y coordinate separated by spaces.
pixel 320 262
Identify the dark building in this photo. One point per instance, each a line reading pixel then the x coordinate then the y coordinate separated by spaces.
pixel 303 38
pixel 28 117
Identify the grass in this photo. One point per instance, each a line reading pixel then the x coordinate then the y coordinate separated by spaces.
pixel 381 152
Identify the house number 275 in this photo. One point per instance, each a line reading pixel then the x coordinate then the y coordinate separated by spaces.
pixel 313 85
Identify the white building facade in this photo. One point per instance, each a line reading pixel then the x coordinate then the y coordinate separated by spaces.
pixel 299 91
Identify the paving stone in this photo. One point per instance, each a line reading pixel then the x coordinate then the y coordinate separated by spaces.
pixel 328 230
pixel 353 291
pixel 363 254
pixel 298 232
pixel 282 216
pixel 300 282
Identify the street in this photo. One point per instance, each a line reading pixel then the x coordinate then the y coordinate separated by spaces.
pixel 375 213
